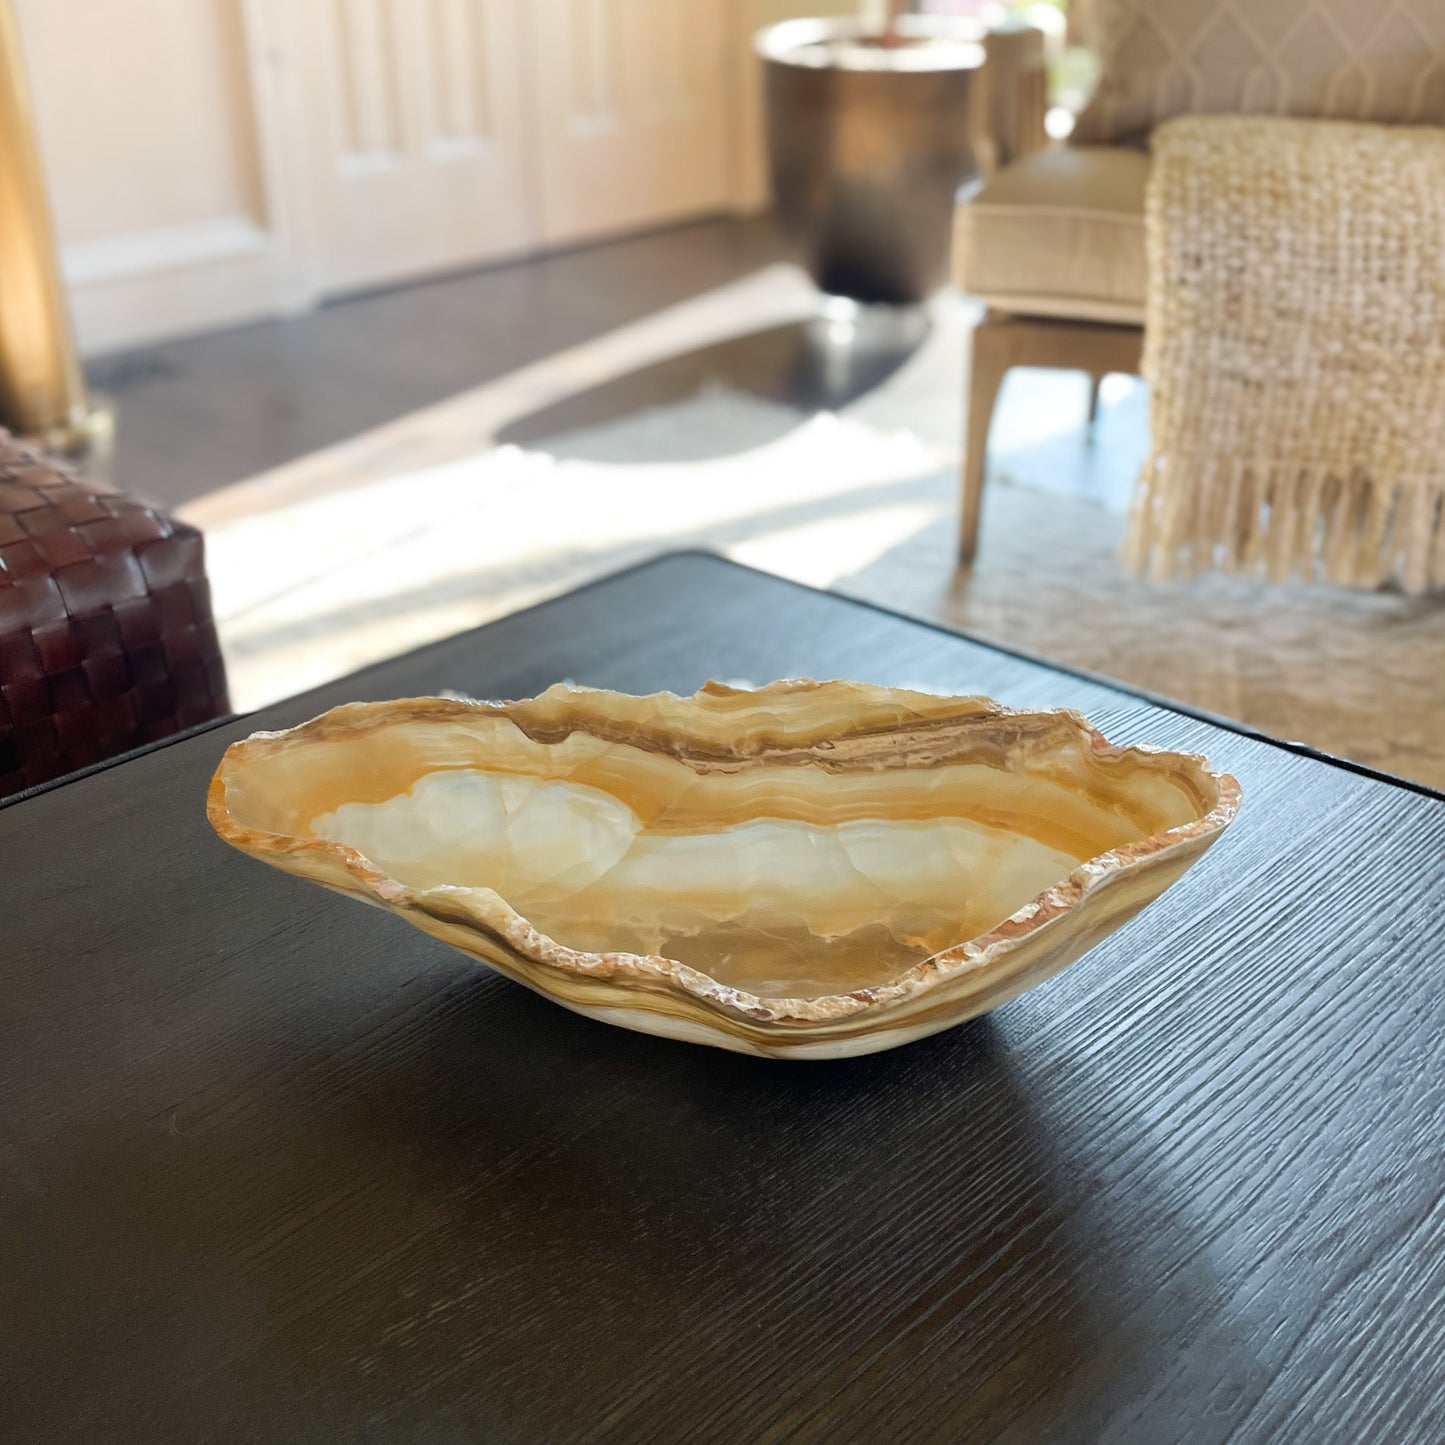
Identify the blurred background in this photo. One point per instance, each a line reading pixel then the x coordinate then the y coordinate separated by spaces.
pixel 211 162
pixel 422 310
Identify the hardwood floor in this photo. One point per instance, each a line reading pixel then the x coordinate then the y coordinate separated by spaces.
pixel 198 414
pixel 404 466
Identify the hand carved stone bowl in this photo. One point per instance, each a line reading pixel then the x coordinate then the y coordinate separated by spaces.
pixel 807 870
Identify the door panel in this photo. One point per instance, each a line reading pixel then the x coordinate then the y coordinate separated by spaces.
pixel 629 103
pixel 415 136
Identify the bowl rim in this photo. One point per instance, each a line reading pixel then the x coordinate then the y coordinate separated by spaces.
pixel 473 908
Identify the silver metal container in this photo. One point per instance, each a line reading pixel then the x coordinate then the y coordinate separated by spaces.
pixel 868 145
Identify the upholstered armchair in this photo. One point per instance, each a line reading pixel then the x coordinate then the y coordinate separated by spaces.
pixel 1054 247
pixel 1054 242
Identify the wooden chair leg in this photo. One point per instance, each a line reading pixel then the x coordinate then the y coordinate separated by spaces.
pixel 1002 341
pixel 991 361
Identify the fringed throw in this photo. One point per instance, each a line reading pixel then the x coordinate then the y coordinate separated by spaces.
pixel 1295 352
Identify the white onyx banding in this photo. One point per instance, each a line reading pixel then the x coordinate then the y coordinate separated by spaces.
pixel 807 869
pixel 776 906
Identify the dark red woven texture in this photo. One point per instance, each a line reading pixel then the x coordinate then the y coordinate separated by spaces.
pixel 106 636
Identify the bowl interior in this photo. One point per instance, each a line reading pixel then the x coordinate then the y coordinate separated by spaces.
pixel 792 876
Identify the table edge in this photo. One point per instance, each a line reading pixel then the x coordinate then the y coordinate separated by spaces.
pixel 1228 724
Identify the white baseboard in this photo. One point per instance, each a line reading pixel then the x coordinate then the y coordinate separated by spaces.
pixel 148 286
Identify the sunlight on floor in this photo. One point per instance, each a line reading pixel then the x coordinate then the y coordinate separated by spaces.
pixel 1041 437
pixel 428 526
pixel 820 553
pixel 354 576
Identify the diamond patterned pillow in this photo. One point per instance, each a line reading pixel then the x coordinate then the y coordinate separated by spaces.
pixel 1376 60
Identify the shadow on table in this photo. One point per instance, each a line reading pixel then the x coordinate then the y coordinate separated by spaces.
pixel 553 1190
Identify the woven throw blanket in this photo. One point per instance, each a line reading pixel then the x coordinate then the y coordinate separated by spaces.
pixel 1295 351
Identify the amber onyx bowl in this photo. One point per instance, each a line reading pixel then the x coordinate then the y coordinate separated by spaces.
pixel 804 870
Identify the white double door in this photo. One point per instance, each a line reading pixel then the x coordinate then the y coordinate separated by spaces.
pixel 439 133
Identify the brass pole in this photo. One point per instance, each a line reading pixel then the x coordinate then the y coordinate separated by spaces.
pixel 42 390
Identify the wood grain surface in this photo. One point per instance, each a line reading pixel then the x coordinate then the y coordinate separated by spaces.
pixel 274 1167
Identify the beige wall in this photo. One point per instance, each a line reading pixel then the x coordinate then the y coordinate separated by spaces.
pixel 144 113
pixel 186 142
pixel 630 107
pixel 163 175
pixel 769 12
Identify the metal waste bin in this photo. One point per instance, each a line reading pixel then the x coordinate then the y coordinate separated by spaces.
pixel 868 145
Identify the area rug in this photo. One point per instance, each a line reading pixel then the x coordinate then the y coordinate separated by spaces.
pixel 398 557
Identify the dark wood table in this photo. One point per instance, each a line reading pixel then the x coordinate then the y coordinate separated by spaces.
pixel 275 1167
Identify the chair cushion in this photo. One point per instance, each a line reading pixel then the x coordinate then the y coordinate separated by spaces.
pixel 1059 233
pixel 1330 59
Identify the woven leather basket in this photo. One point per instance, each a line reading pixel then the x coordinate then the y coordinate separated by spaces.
pixel 106 635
